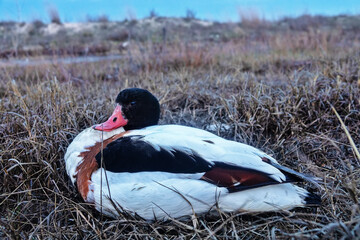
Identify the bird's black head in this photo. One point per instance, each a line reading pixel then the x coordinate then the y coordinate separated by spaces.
pixel 139 107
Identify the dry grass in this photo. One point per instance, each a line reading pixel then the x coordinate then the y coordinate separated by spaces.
pixel 291 99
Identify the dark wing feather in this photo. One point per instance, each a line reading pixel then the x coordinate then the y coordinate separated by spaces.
pixel 293 176
pixel 132 154
pixel 236 178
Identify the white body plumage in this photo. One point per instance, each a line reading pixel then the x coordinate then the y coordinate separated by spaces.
pixel 161 194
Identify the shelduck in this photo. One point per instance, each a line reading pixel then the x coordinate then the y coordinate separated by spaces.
pixel 129 163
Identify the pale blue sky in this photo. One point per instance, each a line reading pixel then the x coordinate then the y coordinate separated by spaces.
pixel 220 10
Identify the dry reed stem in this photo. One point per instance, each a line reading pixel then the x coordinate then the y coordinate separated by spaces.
pixel 356 151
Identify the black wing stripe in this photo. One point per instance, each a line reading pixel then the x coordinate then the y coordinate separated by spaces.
pixel 293 176
pixel 133 154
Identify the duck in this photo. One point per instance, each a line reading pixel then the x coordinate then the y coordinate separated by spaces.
pixel 130 164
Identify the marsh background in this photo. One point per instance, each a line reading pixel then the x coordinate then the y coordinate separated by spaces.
pixel 289 87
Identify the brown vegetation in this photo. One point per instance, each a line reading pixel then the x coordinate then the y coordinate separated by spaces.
pixel 292 93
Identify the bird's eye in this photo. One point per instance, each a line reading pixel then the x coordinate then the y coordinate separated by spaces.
pixel 132 103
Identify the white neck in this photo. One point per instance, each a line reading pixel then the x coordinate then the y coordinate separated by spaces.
pixel 81 142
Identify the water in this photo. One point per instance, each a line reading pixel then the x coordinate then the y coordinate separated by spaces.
pixel 64 60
